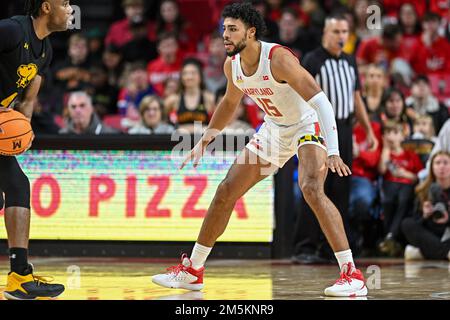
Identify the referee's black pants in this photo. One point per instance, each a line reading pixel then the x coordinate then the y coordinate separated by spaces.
pixel 308 237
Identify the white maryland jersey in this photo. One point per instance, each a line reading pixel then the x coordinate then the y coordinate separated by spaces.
pixel 281 104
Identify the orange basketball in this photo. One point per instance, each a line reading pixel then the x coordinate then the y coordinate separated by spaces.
pixel 16 133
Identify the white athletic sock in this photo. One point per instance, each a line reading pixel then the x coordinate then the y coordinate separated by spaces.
pixel 199 255
pixel 344 257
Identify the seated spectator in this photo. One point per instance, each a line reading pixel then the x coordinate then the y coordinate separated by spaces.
pixel 139 48
pixel 433 54
pixel 373 90
pixel 315 15
pixel 272 27
pixel 171 87
pixel 409 23
pixel 383 50
pixel 364 188
pixel 423 138
pixel 136 88
pixel 428 231
pixel 73 73
pixel 193 103
pixel 82 118
pixel 353 40
pixel 113 61
pixel 399 168
pixel 213 63
pixel 167 65
pixel 120 32
pixel 423 128
pixel 151 113
pixel 301 41
pixel 95 38
pixel 104 96
pixel 422 102
pixel 393 108
pixel 170 20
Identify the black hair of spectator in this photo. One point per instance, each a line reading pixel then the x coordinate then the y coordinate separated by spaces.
pixel 137 66
pixel 417 27
pixel 167 35
pixel 248 15
pixel 113 49
pixel 421 77
pixel 391 31
pixel 161 24
pixel 431 16
pixel 387 96
pixel 197 63
pixel 290 11
pixel 33 7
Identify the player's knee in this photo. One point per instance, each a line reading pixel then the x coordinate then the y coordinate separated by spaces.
pixel 17 192
pixel 312 189
pixel 224 192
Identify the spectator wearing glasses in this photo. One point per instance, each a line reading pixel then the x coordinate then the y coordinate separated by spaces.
pixel 82 118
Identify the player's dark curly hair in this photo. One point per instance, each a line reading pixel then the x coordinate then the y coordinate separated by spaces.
pixel 33 7
pixel 245 12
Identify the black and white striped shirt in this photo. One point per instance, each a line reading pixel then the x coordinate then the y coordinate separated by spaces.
pixel 338 78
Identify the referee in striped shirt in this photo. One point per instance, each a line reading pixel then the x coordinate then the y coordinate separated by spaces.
pixel 337 74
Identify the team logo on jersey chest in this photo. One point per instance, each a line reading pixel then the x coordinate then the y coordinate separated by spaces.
pixel 239 79
pixel 26 73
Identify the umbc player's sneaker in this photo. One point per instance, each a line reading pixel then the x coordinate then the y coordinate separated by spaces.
pixel 31 287
pixel 182 276
pixel 350 284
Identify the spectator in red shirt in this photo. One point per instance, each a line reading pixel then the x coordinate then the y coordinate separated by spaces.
pixel 121 32
pixel 383 50
pixel 167 65
pixel 364 188
pixel 399 168
pixel 393 107
pixel 391 7
pixel 170 20
pixel 410 25
pixel 433 56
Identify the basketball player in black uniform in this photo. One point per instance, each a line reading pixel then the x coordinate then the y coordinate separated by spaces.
pixel 25 55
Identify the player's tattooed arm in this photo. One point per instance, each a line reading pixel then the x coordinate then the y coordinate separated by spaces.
pixel 27 104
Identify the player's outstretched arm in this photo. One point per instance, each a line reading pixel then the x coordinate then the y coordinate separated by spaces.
pixel 220 119
pixel 286 68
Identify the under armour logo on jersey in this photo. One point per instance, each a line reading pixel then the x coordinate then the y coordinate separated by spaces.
pixel 265 78
pixel 13 256
pixel 26 46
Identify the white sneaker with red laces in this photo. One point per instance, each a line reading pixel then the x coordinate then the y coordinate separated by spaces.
pixel 350 284
pixel 182 276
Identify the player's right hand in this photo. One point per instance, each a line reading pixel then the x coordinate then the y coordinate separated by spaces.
pixel 195 154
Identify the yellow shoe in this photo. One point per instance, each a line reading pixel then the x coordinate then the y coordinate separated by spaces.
pixel 30 287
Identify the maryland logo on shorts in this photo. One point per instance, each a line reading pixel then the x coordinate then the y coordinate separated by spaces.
pixel 311 138
pixel 26 73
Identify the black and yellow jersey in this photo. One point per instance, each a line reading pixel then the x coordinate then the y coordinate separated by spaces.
pixel 22 57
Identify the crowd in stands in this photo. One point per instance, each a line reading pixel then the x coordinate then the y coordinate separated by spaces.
pixel 152 77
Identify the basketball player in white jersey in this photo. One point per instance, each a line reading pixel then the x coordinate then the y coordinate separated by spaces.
pixel 299 120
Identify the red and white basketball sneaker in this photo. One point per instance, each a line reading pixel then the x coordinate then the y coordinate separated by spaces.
pixel 350 284
pixel 182 276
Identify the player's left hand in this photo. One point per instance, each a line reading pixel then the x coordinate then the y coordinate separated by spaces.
pixel 336 164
